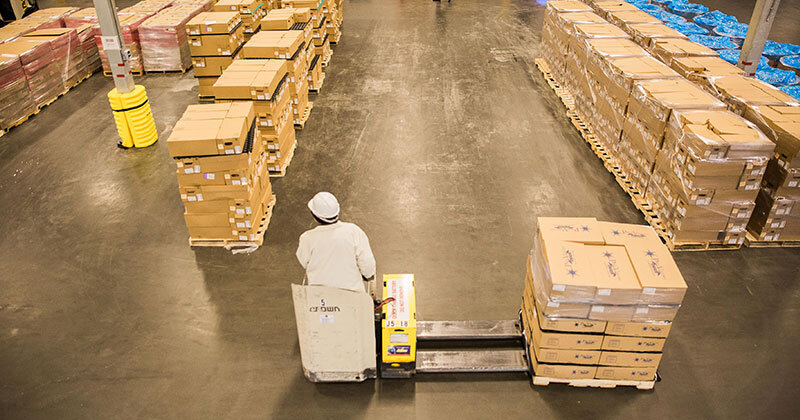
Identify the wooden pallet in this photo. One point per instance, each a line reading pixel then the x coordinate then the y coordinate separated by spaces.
pixel 79 81
pixel 304 118
pixel 751 241
pixel 174 71
pixel 285 166
pixel 612 166
pixel 231 243
pixel 593 383
pixel 336 38
pixel 326 60
pixel 319 86
pixel 205 99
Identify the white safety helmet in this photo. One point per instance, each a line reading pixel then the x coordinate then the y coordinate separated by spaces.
pixel 325 206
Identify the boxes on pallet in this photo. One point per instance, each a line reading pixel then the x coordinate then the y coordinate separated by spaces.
pixel 163 39
pixel 215 40
pixel 707 176
pixel 700 70
pixel 221 170
pixel 625 18
pixel 43 73
pixel 16 101
pixel 741 92
pixel 315 74
pixel 669 49
pixel 67 52
pixel 605 8
pixel 129 21
pixel 250 11
pixel 81 17
pixel 777 213
pixel 583 261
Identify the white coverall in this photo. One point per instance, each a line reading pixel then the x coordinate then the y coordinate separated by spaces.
pixel 337 255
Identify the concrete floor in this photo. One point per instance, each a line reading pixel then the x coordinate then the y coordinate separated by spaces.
pixel 442 141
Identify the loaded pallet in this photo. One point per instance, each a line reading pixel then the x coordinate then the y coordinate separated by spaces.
pixel 282 172
pixel 232 243
pixel 641 203
pixel 750 241
pixel 304 118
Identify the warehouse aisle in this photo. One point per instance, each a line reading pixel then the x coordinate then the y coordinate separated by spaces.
pixel 442 141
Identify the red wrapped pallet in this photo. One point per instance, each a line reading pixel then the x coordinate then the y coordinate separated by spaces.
pixel 16 101
pixel 67 52
pixel 206 5
pixel 81 17
pixel 41 71
pixel 129 24
pixel 90 52
pixel 165 46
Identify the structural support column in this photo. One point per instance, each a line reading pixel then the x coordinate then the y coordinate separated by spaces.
pixel 114 45
pixel 760 23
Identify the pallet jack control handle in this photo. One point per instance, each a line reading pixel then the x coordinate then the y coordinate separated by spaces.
pixel 383 302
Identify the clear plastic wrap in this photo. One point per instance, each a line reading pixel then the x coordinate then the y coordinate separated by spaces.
pixel 163 39
pixel 81 17
pixel 668 49
pixel 67 52
pixel 740 92
pixel 775 218
pixel 56 16
pixel 687 28
pixel 631 17
pixel 605 8
pixel 645 34
pixel 714 42
pixel 16 101
pixel 129 22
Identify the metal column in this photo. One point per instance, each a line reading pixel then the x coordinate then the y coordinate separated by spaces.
pixel 113 45
pixel 760 23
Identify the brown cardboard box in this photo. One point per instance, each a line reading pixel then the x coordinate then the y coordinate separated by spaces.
pixel 655 313
pixel 563 371
pixel 634 344
pixel 213 23
pixel 645 33
pixel 250 79
pixel 239 6
pixel 561 6
pixel 222 170
pixel 604 8
pixel 599 30
pixel 617 76
pixel 237 208
pixel 566 341
pixel 639 329
pixel 206 85
pixel 274 44
pixel 668 49
pixel 626 373
pixel 560 324
pixel 740 92
pixel 629 359
pixel 216 44
pixel 564 24
pixel 278 19
pixel 781 124
pixel 700 69
pixel 211 66
pixel 623 18
pixel 213 129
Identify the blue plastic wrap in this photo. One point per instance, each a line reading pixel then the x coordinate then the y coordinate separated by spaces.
pixel 669 2
pixel 713 19
pixel 646 7
pixel 776 77
pixel 792 90
pixel 792 61
pixel 714 42
pixel 667 17
pixel 638 2
pixel 775 50
pixel 687 28
pixel 734 30
pixel 687 10
pixel 732 56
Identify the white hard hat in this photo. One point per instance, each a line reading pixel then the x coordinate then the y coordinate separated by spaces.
pixel 324 205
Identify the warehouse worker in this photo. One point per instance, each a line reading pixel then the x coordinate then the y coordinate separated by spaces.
pixel 336 254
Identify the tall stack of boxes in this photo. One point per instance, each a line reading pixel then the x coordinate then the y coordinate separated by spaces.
pixel 163 39
pixel 264 82
pixel 599 300
pixel 293 47
pixel 222 173
pixel 16 101
pixel 301 19
pixel 250 11
pixel 129 21
pixel 215 40
pixel 67 53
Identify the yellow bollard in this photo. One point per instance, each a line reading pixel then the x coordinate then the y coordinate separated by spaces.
pixel 133 117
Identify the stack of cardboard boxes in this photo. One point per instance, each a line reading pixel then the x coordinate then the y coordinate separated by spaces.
pixel 16 101
pixel 129 21
pixel 599 300
pixel 264 82
pixel 44 74
pixel 67 53
pixel 222 173
pixel 293 47
pixel 299 19
pixel 163 39
pixel 250 11
pixel 215 40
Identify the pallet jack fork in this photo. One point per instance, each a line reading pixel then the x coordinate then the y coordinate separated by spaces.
pixel 399 332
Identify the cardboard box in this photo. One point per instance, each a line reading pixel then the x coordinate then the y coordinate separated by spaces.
pixel 566 341
pixel 222 170
pixel 216 44
pixel 251 80
pixel 563 371
pixel 781 123
pixel 626 373
pixel 655 313
pixel 740 92
pixel 562 6
pixel 639 329
pixel 239 6
pixel 206 86
pixel 629 359
pixel 618 76
pixel 623 18
pixel 213 129
pixel 604 8
pixel 633 344
pixel 645 34
pixel 274 44
pixel 211 66
pixel 668 49
pixel 700 69
pixel 599 30
pixel 278 20
pixel 568 325
pixel 207 23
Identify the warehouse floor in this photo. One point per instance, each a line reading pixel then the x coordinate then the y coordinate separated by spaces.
pixel 442 141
